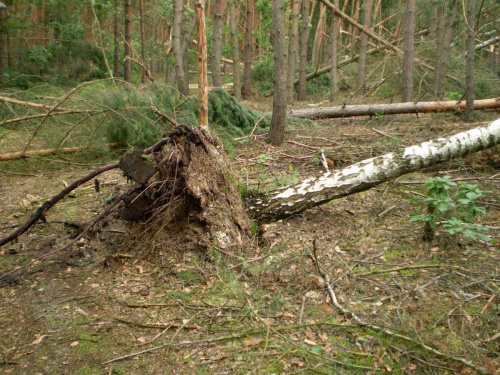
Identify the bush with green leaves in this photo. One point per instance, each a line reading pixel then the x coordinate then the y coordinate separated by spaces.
pixel 453 207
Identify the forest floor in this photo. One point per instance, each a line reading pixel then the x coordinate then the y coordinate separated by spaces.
pixel 110 304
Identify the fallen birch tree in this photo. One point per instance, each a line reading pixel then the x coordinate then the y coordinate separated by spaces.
pixel 190 186
pixel 392 109
pixel 368 173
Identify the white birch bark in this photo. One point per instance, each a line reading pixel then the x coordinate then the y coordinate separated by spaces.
pixel 368 173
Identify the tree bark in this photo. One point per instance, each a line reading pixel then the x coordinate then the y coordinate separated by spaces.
pixel 236 50
pixel 180 73
pixel 367 15
pixel 293 47
pixel 116 38
pixel 392 109
pixel 247 85
pixel 304 38
pixel 366 174
pixel 469 70
pixel 217 42
pixel 202 65
pixel 444 36
pixel 127 64
pixel 334 35
pixel 433 22
pixel 143 41
pixel 319 36
pixel 408 48
pixel 278 120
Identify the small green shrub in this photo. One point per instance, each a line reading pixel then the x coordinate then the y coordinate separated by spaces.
pixel 454 208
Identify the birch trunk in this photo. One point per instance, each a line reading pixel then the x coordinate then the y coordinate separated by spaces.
pixel 368 173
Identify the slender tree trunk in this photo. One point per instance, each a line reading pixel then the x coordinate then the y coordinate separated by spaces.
pixel 493 60
pixel 368 173
pixel 334 33
pixel 217 42
pixel 2 42
pixel 202 65
pixel 233 21
pixel 304 38
pixel 367 15
pixel 143 41
pixel 127 64
pixel 277 131
pixel 116 42
pixel 433 22
pixel 319 36
pixel 180 73
pixel 469 74
pixel 408 48
pixel 293 47
pixel 444 36
pixel 247 85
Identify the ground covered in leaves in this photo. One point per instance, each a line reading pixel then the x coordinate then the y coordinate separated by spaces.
pixel 117 302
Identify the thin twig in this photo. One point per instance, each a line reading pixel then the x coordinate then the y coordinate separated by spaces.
pixel 361 322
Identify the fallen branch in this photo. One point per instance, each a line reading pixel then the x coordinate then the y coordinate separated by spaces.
pixel 40 212
pixel 39 106
pixel 159 325
pixel 27 154
pixel 392 109
pixel 57 113
pixel 386 331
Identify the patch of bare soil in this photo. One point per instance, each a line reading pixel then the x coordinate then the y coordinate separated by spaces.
pixel 114 303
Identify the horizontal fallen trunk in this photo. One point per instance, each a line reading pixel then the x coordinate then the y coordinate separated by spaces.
pixel 366 174
pixel 46 151
pixel 392 109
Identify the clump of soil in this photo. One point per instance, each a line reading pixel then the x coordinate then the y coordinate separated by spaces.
pixel 192 197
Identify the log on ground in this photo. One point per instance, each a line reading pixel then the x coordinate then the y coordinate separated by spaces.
pixel 392 109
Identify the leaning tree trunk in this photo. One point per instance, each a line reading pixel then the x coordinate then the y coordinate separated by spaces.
pixel 392 109
pixel 368 173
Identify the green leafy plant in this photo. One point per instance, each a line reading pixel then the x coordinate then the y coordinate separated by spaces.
pixel 453 95
pixel 453 207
